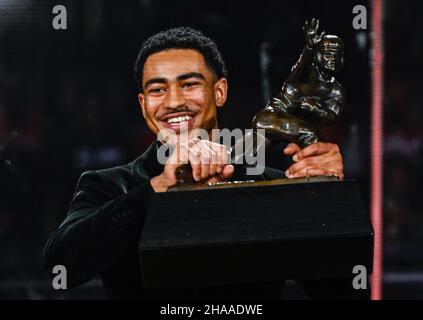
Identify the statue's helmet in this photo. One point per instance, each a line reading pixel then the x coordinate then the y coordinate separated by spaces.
pixel 330 53
pixel 331 42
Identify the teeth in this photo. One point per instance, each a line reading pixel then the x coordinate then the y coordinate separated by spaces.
pixel 179 119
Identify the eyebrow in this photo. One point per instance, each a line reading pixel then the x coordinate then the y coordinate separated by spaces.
pixel 191 75
pixel 181 77
pixel 155 80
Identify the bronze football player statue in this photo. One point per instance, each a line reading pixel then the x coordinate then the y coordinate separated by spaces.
pixel 309 98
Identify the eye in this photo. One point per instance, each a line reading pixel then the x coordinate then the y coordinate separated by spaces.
pixel 190 84
pixel 156 90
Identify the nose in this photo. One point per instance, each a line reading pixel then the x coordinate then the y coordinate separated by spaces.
pixel 175 99
pixel 331 60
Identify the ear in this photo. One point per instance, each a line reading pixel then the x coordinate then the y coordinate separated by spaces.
pixel 141 101
pixel 221 92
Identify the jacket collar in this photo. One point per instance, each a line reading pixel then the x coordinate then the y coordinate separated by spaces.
pixel 147 164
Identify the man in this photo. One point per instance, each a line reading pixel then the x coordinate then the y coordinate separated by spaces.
pixel 182 80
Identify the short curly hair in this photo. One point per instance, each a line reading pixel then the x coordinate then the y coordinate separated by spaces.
pixel 180 38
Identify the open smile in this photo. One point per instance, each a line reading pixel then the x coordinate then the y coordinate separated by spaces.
pixel 178 121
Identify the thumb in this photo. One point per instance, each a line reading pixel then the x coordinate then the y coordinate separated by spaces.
pixel 227 172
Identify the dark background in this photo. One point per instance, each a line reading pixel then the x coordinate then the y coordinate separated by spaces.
pixel 68 104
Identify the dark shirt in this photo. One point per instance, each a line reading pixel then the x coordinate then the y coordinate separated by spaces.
pixel 102 228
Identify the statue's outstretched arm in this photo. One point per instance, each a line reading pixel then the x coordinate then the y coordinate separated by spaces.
pixel 305 61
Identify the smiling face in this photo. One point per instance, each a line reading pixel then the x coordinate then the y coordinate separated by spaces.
pixel 180 91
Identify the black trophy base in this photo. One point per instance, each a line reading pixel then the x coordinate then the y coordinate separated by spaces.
pixel 249 234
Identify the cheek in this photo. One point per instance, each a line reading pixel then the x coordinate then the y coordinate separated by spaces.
pixel 205 101
pixel 152 106
pixel 208 104
pixel 196 96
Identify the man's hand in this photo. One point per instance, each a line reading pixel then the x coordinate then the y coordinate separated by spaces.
pixel 207 159
pixel 317 159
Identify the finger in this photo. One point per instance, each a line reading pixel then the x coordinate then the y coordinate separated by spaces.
pixel 205 151
pixel 334 167
pixel 202 150
pixel 195 162
pixel 196 171
pixel 291 149
pixel 195 154
pixel 213 180
pixel 214 160
pixel 315 173
pixel 179 155
pixel 222 154
pixel 226 174
pixel 324 161
pixel 312 172
pixel 205 160
pixel 228 171
pixel 183 154
pixel 205 164
pixel 317 148
pixel 210 160
pixel 317 24
pixel 193 142
pixel 205 171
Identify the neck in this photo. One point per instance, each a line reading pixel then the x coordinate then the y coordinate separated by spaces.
pixel 324 75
